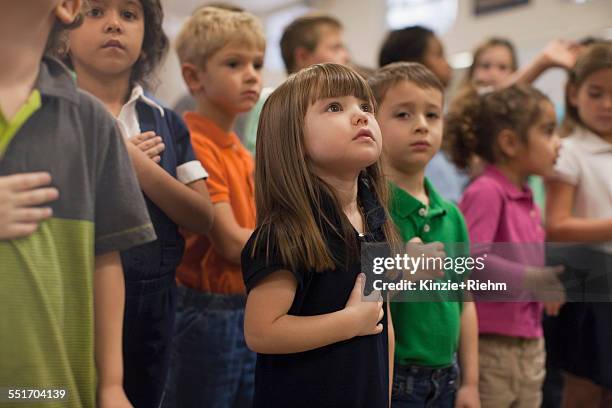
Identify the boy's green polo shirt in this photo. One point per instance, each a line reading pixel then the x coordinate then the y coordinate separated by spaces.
pixel 427 333
pixel 47 278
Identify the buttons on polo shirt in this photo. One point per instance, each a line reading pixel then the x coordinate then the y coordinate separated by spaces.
pixel 532 213
pixel 423 212
pixel 426 228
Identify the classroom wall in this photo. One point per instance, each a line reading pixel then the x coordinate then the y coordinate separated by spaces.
pixel 530 27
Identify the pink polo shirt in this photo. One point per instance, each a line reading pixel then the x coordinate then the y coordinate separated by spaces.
pixel 496 210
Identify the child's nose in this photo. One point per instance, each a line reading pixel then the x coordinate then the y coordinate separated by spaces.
pixel 251 74
pixel 360 117
pixel 113 23
pixel 421 124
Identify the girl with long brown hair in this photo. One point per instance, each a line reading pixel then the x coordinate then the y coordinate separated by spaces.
pixel 320 196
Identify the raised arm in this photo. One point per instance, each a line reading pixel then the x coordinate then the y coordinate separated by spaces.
pixel 557 53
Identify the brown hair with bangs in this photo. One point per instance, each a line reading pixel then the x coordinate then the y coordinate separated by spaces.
pixel 596 56
pixel 288 194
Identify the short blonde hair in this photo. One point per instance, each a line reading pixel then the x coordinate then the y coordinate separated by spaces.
pixel 211 28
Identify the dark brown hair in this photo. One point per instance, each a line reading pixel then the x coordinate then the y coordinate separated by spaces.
pixel 406 44
pixel 155 43
pixel 288 194
pixel 304 32
pixel 474 122
pixel 391 74
pixel 57 41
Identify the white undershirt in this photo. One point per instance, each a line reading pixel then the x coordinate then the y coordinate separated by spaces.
pixel 129 126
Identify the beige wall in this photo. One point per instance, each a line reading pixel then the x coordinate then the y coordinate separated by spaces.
pixel 529 27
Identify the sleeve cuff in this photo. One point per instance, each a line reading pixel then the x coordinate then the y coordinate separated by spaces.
pixel 190 172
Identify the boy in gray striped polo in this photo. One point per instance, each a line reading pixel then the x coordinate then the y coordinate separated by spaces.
pixel 61 291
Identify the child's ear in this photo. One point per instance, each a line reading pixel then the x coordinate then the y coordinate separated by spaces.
pixel 302 56
pixel 572 95
pixel 67 11
pixel 509 143
pixel 190 76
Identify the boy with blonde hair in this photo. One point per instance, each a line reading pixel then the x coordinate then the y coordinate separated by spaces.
pixel 221 54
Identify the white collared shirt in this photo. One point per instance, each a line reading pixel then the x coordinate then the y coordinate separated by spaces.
pixel 129 126
pixel 585 161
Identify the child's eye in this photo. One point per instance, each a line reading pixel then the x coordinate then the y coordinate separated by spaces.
pixel 334 107
pixel 594 95
pixel 232 64
pixel 366 107
pixel 258 65
pixel 433 115
pixel 402 115
pixel 129 15
pixel 94 12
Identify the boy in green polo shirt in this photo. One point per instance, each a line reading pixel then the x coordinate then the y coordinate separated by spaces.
pixel 427 334
pixel 62 293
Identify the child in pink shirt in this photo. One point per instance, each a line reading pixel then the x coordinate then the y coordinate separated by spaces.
pixel 513 131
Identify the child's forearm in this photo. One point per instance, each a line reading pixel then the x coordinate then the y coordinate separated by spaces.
pixel 391 334
pixel 109 300
pixel 295 334
pixel 188 206
pixel 528 74
pixel 468 345
pixel 227 237
pixel 579 229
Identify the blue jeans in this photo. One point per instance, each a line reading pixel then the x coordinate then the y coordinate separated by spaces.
pixel 423 387
pixel 211 365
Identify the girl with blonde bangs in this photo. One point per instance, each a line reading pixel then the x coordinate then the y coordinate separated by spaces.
pixel 320 194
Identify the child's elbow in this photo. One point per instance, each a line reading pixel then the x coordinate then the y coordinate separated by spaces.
pixel 203 220
pixel 207 218
pixel 254 341
pixel 257 339
pixel 552 230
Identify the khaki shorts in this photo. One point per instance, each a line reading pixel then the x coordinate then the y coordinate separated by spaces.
pixel 512 371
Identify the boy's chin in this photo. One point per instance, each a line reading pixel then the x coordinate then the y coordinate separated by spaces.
pixel 414 163
pixel 245 107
